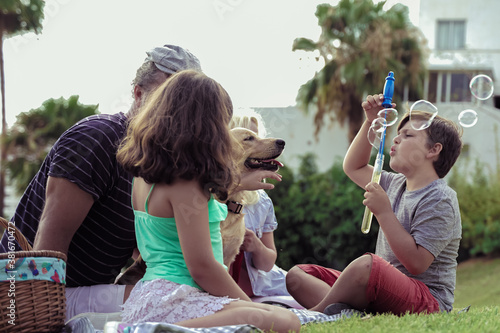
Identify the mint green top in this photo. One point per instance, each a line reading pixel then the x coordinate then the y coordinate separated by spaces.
pixel 158 242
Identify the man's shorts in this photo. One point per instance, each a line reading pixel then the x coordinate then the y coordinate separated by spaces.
pixel 101 298
pixel 388 289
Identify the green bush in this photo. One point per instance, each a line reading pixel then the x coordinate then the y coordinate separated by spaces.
pixel 479 199
pixel 319 216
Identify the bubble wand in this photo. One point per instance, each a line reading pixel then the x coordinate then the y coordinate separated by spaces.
pixel 379 160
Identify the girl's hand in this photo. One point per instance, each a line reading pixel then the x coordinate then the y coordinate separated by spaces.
pixel 376 199
pixel 372 105
pixel 262 249
pixel 253 180
pixel 251 242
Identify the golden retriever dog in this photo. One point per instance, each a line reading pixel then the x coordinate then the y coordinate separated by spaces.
pixel 250 153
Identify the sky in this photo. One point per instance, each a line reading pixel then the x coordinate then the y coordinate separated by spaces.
pixel 92 48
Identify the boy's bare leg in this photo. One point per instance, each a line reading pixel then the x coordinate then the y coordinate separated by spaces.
pixel 350 287
pixel 306 289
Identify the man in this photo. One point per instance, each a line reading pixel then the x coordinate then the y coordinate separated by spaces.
pixel 79 201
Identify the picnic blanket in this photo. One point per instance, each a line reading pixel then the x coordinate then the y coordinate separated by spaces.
pixel 83 324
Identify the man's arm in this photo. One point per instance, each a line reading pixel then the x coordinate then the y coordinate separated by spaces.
pixel 66 206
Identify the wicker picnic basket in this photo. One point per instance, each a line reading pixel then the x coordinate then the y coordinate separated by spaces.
pixel 30 305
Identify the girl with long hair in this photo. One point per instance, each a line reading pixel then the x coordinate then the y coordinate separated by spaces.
pixel 178 149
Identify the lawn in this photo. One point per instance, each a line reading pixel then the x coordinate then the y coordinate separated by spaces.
pixel 477 285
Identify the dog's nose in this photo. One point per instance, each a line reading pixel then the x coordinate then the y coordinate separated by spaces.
pixel 280 143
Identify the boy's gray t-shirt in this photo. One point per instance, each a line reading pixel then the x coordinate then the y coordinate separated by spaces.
pixel 432 216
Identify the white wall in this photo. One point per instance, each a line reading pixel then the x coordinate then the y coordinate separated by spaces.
pixel 483 139
pixel 297 129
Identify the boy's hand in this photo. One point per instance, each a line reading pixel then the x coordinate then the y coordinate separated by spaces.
pixel 372 105
pixel 376 199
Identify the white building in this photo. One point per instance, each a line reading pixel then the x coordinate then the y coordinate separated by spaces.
pixel 297 129
pixel 460 35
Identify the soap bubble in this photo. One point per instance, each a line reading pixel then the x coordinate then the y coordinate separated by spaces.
pixel 481 87
pixel 376 131
pixel 390 115
pixel 422 113
pixel 467 118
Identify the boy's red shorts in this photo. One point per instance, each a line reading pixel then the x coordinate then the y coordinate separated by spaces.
pixel 388 289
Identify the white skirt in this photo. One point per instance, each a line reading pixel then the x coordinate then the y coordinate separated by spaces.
pixel 165 301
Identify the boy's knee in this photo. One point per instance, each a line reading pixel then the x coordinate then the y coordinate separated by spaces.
pixel 364 263
pixel 360 269
pixel 293 278
pixel 366 259
pixel 294 271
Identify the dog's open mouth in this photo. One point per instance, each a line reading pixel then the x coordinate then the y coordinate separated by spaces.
pixel 266 164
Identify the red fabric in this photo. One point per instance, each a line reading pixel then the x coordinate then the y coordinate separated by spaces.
pixel 388 289
pixel 236 266
pixel 328 275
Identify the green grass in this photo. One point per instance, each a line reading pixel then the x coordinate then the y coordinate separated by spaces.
pixel 478 319
pixel 477 285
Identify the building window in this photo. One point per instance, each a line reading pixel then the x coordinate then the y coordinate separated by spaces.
pixel 460 90
pixel 450 35
pixel 450 86
pixel 432 88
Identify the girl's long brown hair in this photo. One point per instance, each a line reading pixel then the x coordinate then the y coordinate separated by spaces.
pixel 182 132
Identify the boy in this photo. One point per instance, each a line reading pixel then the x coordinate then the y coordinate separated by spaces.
pixel 414 265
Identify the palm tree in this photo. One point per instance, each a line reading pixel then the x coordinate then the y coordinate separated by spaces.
pixel 360 43
pixel 34 132
pixel 16 17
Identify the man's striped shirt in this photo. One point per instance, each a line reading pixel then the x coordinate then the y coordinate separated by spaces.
pixel 86 155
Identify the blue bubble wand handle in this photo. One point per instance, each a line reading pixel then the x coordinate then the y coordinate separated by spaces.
pixel 379 160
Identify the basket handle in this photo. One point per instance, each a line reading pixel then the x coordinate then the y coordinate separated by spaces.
pixel 18 235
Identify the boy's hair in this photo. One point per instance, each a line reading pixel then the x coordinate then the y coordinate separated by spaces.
pixel 182 131
pixel 443 131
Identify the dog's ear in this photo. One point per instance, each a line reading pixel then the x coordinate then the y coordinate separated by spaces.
pixel 237 149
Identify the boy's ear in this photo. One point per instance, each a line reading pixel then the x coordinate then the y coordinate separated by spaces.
pixel 435 150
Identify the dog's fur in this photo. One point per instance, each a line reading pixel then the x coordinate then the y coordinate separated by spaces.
pixel 250 152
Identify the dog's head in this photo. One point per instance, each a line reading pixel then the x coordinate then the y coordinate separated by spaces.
pixel 252 152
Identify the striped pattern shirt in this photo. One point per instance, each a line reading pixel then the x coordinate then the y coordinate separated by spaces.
pixel 86 155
